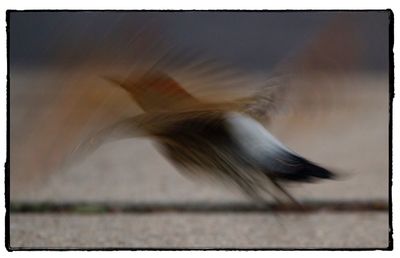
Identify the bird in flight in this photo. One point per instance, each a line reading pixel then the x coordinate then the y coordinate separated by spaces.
pixel 225 139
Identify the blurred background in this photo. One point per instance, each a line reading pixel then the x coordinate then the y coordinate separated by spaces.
pixel 337 114
pixel 252 40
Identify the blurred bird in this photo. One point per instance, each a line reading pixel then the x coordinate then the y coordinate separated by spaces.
pixel 226 140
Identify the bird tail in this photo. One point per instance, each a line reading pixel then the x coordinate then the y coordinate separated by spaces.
pixel 296 168
pixel 272 156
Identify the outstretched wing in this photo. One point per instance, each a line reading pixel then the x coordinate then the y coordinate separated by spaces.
pixel 156 91
pixel 49 121
pixel 309 78
pixel 151 124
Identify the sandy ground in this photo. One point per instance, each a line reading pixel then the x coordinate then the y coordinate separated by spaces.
pixel 239 230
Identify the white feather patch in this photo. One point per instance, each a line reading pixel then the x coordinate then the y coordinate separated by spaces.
pixel 254 138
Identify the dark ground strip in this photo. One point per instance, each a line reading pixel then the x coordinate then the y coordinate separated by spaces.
pixel 311 206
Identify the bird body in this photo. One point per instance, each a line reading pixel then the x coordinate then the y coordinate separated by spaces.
pixel 217 139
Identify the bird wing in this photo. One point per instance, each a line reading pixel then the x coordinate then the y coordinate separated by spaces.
pixel 310 77
pixel 152 124
pixel 156 91
pixel 49 121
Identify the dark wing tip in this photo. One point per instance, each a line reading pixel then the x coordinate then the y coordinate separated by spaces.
pixel 318 172
pixel 299 169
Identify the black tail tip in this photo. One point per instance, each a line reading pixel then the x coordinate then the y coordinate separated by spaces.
pixel 309 172
pixel 315 171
